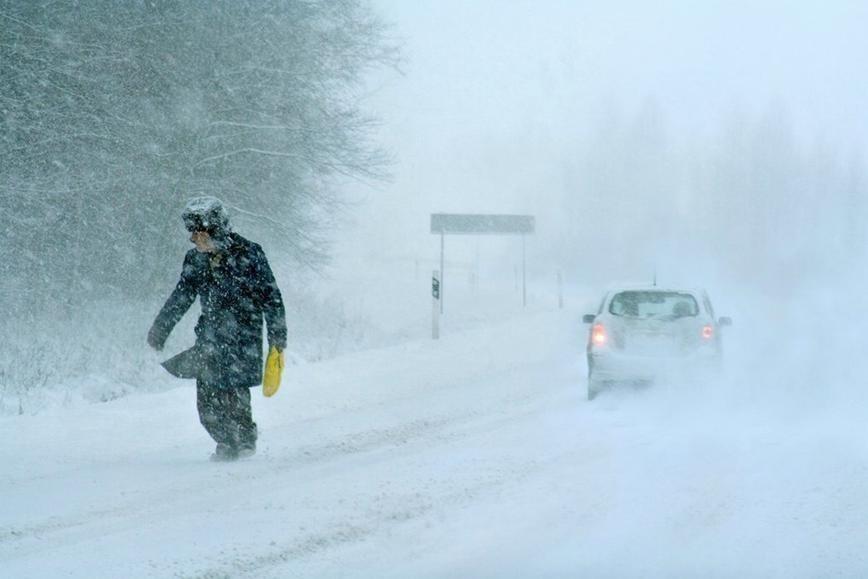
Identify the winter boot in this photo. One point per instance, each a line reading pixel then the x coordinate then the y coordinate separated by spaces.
pixel 247 450
pixel 224 453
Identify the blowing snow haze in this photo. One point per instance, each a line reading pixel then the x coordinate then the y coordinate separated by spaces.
pixel 638 133
pixel 715 145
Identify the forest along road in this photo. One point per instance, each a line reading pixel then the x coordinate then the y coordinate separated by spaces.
pixel 475 455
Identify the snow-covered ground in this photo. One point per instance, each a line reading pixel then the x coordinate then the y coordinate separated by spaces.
pixel 474 456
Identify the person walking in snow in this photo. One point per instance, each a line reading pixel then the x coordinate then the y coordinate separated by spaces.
pixel 237 290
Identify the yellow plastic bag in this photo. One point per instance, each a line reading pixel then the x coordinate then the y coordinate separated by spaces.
pixel 273 370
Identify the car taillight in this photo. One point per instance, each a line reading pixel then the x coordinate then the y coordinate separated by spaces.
pixel 598 335
pixel 707 332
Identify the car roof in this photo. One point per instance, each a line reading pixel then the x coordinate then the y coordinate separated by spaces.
pixel 650 287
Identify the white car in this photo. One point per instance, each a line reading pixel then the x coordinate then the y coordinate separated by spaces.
pixel 639 333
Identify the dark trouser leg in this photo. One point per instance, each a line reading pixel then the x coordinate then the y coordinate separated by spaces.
pixel 226 414
pixel 242 416
pixel 214 413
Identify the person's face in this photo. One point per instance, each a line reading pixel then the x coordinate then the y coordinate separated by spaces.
pixel 203 242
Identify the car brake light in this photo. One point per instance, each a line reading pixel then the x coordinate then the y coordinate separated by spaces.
pixel 707 331
pixel 598 335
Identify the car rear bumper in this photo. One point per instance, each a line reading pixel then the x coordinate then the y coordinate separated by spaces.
pixel 618 366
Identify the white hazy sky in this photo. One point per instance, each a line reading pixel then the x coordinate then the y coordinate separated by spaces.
pixel 494 90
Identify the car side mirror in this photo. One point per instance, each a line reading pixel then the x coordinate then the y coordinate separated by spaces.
pixel 724 321
pixel 588 318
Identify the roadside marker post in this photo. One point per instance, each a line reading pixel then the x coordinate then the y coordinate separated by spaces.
pixel 560 290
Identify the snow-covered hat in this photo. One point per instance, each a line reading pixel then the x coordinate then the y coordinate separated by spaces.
pixel 206 214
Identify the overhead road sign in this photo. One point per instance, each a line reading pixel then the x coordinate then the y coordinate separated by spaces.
pixel 445 224
pixel 466 223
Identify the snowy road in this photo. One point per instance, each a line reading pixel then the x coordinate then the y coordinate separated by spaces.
pixel 475 456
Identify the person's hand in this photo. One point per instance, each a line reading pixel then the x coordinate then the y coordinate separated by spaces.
pixel 154 340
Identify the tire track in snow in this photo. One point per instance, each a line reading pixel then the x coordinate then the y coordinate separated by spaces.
pixel 371 525
pixel 16 542
pixel 405 508
pixel 311 455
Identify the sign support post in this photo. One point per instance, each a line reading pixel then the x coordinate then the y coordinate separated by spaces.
pixel 442 268
pixel 436 304
pixel 523 273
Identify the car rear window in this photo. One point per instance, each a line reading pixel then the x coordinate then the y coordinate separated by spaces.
pixel 656 304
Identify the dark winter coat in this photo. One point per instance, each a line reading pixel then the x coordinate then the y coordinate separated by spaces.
pixel 237 290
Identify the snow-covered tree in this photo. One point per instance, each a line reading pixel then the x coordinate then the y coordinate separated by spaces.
pixel 113 113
